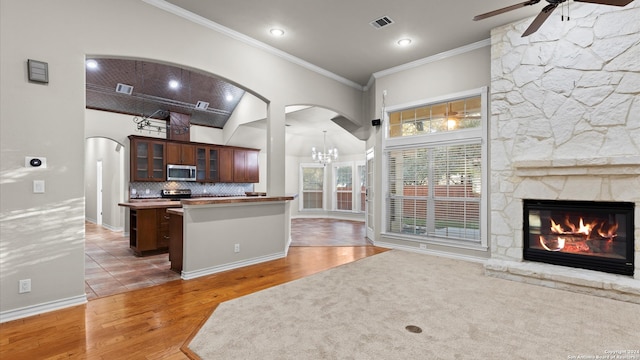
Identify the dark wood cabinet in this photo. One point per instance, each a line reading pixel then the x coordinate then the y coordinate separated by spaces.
pixel 149 231
pixel 214 163
pixel 175 242
pixel 207 163
pixel 162 223
pixel 147 159
pixel 245 166
pixel 225 157
pixel 181 154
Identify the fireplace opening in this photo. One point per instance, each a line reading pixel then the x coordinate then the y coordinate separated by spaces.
pixel 584 234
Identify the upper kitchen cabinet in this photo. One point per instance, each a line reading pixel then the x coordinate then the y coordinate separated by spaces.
pixel 225 157
pixel 181 154
pixel 245 166
pixel 207 163
pixel 147 159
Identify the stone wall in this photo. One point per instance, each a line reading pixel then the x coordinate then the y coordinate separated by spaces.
pixel 565 116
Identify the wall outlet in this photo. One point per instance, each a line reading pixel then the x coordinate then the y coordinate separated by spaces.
pixel 236 248
pixel 25 286
pixel 423 246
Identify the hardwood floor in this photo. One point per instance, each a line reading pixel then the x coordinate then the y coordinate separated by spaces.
pixel 155 322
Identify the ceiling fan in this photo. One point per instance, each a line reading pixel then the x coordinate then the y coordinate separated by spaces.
pixel 546 11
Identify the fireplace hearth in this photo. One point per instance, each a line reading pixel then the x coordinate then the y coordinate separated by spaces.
pixel 582 234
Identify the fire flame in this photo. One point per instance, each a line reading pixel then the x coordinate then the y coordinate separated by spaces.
pixel 610 233
pixel 559 244
pixel 580 237
pixel 584 229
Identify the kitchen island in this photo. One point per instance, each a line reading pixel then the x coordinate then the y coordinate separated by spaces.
pixel 225 233
pixel 149 225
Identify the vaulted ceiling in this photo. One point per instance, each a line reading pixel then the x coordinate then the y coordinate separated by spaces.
pixel 140 88
pixel 334 37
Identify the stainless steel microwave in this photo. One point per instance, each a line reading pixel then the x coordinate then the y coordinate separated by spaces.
pixel 181 173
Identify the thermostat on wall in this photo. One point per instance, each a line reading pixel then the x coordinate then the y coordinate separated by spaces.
pixel 35 161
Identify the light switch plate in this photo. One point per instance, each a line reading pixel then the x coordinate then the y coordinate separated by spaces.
pixel 38 186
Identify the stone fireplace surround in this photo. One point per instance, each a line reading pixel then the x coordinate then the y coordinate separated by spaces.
pixel 565 125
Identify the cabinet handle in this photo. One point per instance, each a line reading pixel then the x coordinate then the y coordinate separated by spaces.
pixel 166 217
pixel 166 237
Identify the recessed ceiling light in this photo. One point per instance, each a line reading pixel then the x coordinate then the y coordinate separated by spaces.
pixel 276 32
pixel 92 64
pixel 229 97
pixel 174 84
pixel 404 42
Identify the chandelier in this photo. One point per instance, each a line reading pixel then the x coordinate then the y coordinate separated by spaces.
pixel 148 123
pixel 326 156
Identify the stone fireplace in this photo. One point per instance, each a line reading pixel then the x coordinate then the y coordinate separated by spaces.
pixel 565 125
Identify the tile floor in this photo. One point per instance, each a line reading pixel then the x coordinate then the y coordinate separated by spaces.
pixel 112 268
pixel 327 232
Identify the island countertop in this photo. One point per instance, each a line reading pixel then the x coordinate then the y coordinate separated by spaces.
pixel 150 204
pixel 235 200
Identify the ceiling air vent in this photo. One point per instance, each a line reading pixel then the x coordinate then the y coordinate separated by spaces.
pixel 124 89
pixel 202 105
pixel 381 22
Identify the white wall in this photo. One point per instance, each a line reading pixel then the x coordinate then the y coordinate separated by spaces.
pixel 42 235
pixel 111 155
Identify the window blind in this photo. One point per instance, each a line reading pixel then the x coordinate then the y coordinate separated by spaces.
pixel 435 191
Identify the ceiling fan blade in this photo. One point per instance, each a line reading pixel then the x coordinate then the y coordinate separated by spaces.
pixel 608 2
pixel 540 19
pixel 508 8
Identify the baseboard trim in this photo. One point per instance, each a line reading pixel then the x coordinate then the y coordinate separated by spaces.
pixel 32 310
pixel 188 275
pixel 431 252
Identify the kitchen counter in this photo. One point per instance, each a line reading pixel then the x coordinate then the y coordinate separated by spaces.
pixel 223 233
pixel 176 211
pixel 235 200
pixel 150 204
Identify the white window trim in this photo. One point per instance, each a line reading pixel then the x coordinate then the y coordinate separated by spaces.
pixel 301 186
pixel 355 189
pixel 334 185
pixel 356 183
pixel 480 134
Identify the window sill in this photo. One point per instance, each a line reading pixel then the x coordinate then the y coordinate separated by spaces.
pixel 460 244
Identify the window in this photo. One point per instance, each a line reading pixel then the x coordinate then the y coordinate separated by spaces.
pixel 434 159
pixel 343 187
pixel 435 191
pixel 438 117
pixel 312 186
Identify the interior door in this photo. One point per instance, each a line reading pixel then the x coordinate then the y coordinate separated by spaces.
pixel 369 196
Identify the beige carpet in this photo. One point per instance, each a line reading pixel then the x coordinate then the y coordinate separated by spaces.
pixel 360 311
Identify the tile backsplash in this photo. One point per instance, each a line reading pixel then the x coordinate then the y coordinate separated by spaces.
pixel 149 190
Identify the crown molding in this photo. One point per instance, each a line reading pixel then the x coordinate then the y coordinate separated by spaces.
pixel 437 57
pixel 178 11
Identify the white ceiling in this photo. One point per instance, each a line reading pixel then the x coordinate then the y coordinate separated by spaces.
pixel 336 36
